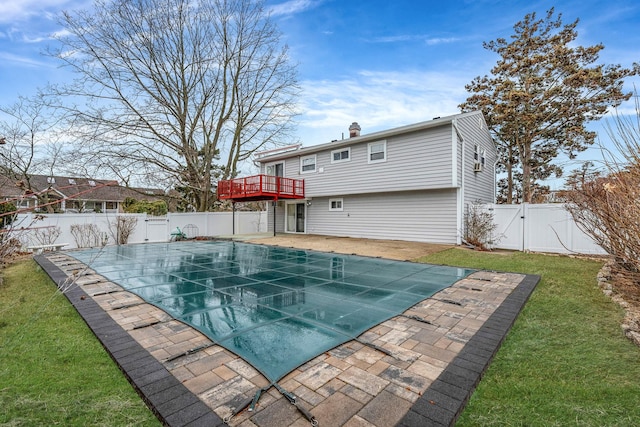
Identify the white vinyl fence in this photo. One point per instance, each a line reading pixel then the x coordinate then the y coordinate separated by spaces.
pixel 147 229
pixel 540 228
pixel 526 227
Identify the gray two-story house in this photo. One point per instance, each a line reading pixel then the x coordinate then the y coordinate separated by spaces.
pixel 409 183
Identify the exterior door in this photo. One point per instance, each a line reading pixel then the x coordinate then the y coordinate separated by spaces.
pixel 295 217
pixel 275 169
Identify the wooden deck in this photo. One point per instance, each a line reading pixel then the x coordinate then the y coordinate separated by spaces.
pixel 260 187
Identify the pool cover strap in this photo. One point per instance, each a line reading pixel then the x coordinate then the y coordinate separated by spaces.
pixel 251 402
pixel 291 398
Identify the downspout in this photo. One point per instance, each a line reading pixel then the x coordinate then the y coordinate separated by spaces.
pixel 459 221
pixel 233 217
pixel 275 202
pixel 495 180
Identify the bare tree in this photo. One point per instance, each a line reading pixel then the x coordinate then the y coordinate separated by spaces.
pixel 166 88
pixel 606 205
pixel 29 132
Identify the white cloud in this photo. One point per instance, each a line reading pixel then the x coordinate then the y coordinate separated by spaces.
pixel 377 101
pixel 12 11
pixel 21 60
pixel 291 7
pixel 431 41
pixel 440 40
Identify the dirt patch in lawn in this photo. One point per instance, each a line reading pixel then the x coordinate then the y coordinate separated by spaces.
pixel 392 249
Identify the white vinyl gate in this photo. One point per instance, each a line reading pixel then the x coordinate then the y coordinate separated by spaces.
pixel 540 228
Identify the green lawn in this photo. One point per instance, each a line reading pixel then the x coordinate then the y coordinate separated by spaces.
pixel 53 371
pixel 566 361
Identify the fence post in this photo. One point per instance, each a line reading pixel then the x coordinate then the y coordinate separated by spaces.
pixel 525 227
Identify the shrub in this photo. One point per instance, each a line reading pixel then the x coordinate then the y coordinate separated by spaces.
pixel 479 228
pixel 121 228
pixel 155 208
pixel 87 235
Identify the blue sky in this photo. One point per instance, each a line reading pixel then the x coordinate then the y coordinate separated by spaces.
pixel 378 62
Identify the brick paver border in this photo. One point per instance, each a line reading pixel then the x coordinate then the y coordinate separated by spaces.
pixel 447 396
pixel 168 398
pixel 175 405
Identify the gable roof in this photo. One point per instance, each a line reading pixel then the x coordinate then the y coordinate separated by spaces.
pixel 438 121
pixel 78 188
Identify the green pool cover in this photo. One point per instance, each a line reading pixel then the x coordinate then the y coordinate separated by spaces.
pixel 275 307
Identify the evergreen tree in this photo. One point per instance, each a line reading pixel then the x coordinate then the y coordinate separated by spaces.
pixel 540 96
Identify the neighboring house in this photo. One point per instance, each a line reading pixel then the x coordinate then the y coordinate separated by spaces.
pixel 409 183
pixel 69 194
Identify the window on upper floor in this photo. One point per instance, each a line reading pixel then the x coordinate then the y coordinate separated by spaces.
pixel 476 153
pixel 342 155
pixel 483 154
pixel 335 204
pixel 308 164
pixel 378 152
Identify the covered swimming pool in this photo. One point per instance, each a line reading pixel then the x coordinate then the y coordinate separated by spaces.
pixel 275 307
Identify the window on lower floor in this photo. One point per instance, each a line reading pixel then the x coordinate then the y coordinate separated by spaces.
pixel 335 204
pixel 23 203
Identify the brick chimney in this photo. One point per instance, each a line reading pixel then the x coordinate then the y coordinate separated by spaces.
pixel 354 130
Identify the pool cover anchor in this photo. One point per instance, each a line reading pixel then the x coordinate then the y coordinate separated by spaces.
pixel 293 400
pixel 251 403
pixel 237 410
pixel 417 318
pixel 189 352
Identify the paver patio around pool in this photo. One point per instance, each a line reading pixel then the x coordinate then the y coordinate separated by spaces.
pixel 416 373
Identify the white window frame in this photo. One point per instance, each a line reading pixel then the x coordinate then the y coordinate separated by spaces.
pixel 336 209
pixel 476 153
pixel 315 163
pixel 483 154
pixel 384 151
pixel 23 203
pixel 342 150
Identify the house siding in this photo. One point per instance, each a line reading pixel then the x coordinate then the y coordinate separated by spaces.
pixel 420 216
pixel 424 159
pixel 477 185
pixel 418 194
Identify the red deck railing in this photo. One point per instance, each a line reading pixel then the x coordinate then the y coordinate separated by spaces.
pixel 261 187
